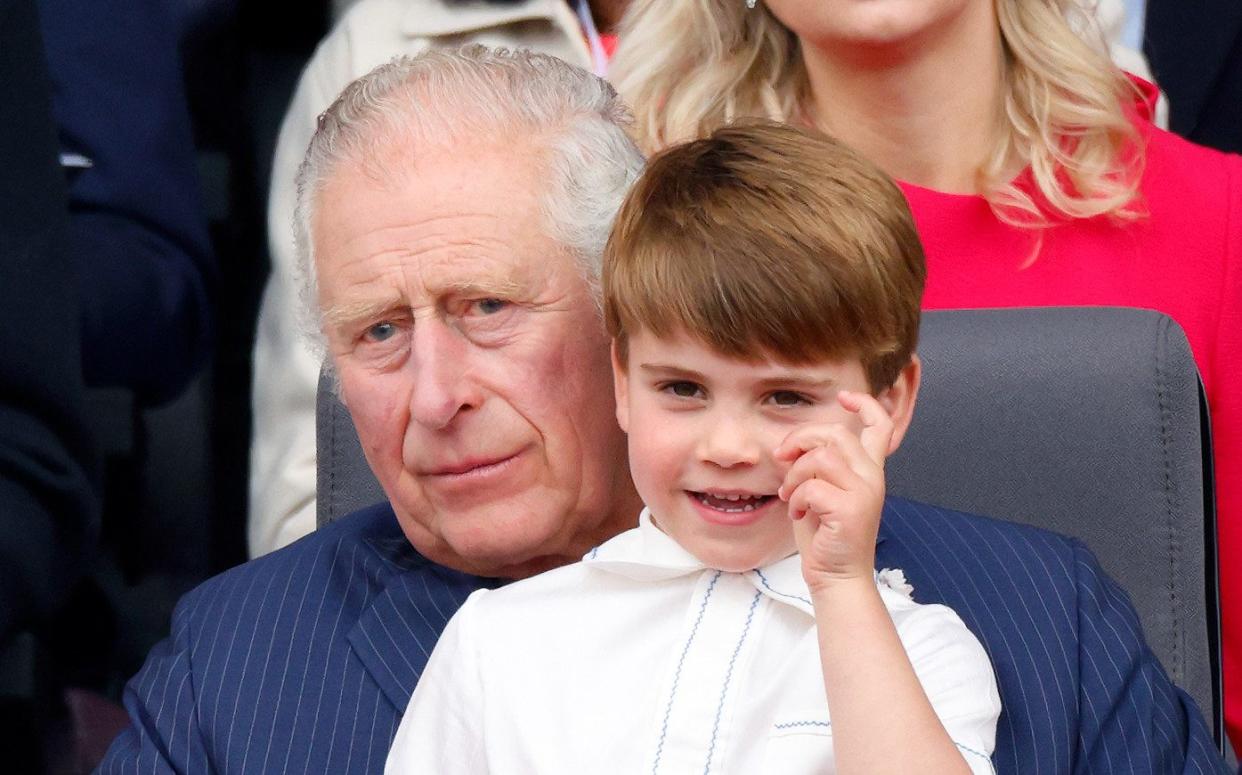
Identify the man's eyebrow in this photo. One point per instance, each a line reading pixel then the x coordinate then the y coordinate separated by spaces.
pixel 485 286
pixel 353 312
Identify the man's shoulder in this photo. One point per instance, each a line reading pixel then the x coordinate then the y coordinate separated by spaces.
pixel 929 526
pixel 977 562
pixel 339 563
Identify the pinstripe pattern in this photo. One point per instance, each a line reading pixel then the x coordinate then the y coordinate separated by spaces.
pixel 302 661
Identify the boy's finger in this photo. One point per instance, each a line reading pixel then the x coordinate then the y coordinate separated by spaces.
pixel 877 432
pixel 815 497
pixel 830 463
pixel 810 437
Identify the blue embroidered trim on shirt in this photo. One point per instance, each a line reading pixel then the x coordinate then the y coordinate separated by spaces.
pixel 677 675
pixel 981 755
pixel 594 553
pixel 750 616
pixel 768 587
pixel 791 724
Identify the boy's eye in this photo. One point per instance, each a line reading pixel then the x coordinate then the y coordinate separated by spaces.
pixel 683 389
pixel 788 398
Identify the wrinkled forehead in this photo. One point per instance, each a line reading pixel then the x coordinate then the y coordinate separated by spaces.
pixel 449 225
pixel 463 194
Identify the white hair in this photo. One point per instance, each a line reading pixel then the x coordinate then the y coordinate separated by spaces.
pixel 441 96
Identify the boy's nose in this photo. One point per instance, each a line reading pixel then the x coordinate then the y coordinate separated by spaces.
pixel 729 442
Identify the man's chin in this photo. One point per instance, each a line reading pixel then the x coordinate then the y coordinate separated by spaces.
pixel 508 551
pixel 506 564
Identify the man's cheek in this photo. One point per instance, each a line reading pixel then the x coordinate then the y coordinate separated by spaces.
pixel 378 417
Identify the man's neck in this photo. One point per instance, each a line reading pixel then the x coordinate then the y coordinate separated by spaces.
pixel 924 111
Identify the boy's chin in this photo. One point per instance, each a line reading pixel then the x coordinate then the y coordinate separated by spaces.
pixel 742 563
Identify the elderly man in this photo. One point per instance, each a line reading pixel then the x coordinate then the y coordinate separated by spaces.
pixel 453 211
pixel 286 371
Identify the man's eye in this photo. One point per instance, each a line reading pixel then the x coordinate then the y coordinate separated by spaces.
pixel 381 331
pixel 683 389
pixel 490 306
pixel 788 398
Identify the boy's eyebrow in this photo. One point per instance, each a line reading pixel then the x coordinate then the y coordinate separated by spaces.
pixel 767 383
pixel 668 370
pixel 771 383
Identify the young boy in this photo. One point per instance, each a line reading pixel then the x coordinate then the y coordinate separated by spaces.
pixel 762 289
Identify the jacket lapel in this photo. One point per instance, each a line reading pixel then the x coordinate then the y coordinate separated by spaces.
pixel 399 626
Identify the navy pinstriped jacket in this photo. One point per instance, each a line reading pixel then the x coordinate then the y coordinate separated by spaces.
pixel 303 661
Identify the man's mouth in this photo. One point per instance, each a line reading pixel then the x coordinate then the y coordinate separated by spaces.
pixel 468 466
pixel 731 503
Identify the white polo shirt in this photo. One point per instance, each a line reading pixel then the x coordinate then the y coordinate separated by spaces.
pixel 641 660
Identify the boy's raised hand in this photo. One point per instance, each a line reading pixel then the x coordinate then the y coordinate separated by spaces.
pixel 835 491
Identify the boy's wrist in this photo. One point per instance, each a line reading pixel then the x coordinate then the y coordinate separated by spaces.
pixel 836 592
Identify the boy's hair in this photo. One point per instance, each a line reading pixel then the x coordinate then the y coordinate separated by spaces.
pixel 764 240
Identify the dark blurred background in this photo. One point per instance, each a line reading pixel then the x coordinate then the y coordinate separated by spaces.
pixel 172 477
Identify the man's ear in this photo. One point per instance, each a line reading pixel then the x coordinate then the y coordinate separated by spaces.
pixel 621 389
pixel 899 399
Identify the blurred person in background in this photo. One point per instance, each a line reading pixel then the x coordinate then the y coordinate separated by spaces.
pixel 1033 171
pixel 137 227
pixel 46 463
pixel 48 505
pixel 1195 50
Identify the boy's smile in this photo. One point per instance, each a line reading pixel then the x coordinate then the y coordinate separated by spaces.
pixel 732 509
pixel 702 431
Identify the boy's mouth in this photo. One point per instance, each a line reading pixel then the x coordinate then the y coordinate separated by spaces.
pixel 731 503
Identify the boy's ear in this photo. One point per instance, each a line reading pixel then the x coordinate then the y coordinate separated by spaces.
pixel 899 398
pixel 620 389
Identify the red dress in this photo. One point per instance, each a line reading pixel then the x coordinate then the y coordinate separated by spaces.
pixel 1184 260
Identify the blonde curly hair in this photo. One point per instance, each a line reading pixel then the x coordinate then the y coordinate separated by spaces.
pixel 690 66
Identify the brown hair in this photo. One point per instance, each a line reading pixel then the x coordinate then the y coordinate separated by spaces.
pixel 765 240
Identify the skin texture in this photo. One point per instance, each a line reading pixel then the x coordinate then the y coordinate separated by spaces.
pixel 472 359
pixel 870 23
pixel 913 85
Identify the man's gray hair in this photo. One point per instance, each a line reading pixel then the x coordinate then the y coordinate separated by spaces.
pixel 574 116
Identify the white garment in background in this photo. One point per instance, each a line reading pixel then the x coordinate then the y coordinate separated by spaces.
pixel 640 659
pixel 1136 20
pixel 286 371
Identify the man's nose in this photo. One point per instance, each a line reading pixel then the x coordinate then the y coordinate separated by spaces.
pixel 443 387
pixel 729 441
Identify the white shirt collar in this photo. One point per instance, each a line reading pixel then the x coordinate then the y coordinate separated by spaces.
pixel 647 554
